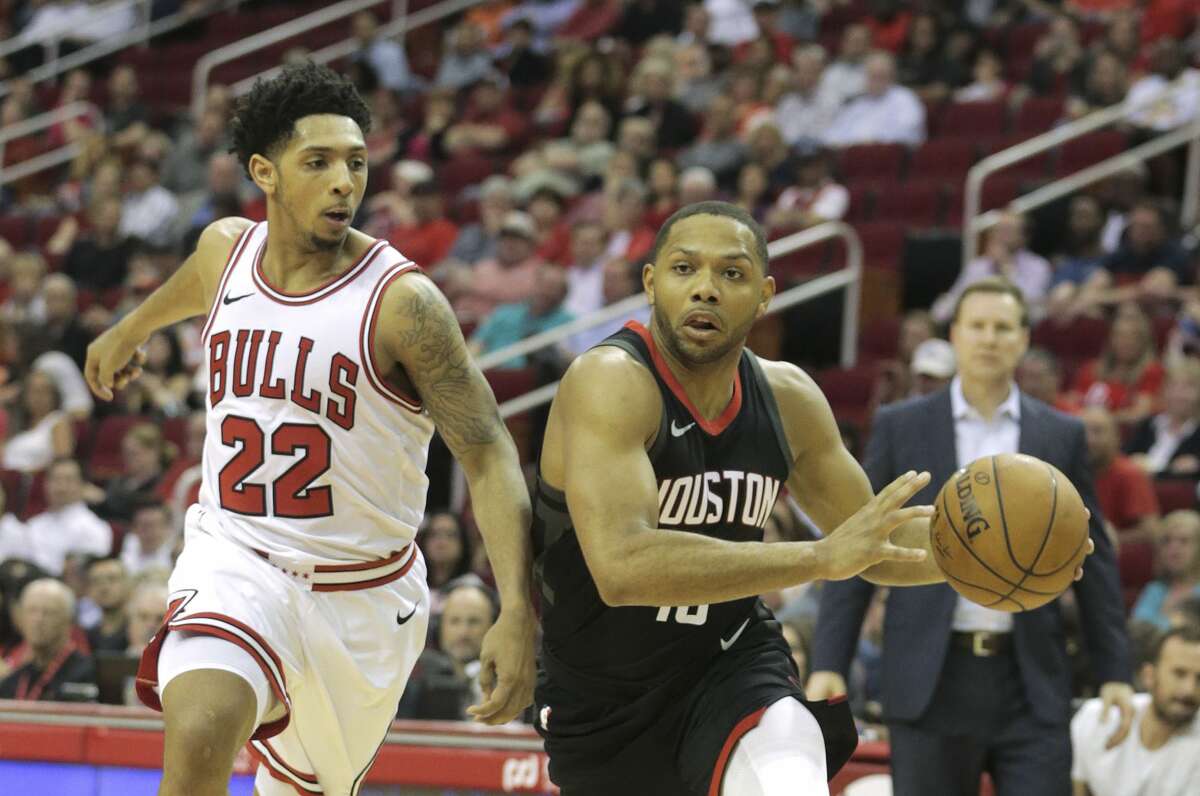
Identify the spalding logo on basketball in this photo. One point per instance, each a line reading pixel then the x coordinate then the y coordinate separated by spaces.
pixel 1009 532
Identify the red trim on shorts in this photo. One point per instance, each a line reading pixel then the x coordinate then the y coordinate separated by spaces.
pixel 382 562
pixel 712 427
pixel 146 680
pixel 277 774
pixel 297 773
pixel 320 292
pixel 234 254
pixel 367 584
pixel 741 728
pixel 366 337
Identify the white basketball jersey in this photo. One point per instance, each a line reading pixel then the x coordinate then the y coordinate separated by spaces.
pixel 309 455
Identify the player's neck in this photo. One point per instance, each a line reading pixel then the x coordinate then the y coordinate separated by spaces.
pixel 709 386
pixel 986 395
pixel 292 265
pixel 1153 732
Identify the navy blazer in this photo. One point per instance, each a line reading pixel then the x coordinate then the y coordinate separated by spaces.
pixel 918 434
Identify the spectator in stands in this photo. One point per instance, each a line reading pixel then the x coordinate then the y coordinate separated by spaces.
pixel 385 56
pixel 627 235
pixel 987 83
pixel 14 542
pixel 591 20
pixel 674 125
pixel 1106 84
pixel 56 670
pixel 183 476
pixel 522 57
pixel 63 329
pixel 1078 281
pixel 145 454
pixel 151 542
pixel 1123 490
pixel 1118 194
pixel 185 168
pixel 1151 263
pixel 77 87
pixel 1168 64
pixel 642 20
pixel 547 206
pixel 1127 377
pixel 753 191
pixel 718 148
pixel 585 272
pixel 1058 58
pixel 886 113
pixel 920 65
pixel 1168 444
pixel 696 184
pixel 511 323
pixel 1178 560
pixel 490 125
pixel 1039 376
pixel 846 77
pixel 893 381
pixel 24 303
pixel 108 587
pixel 508 277
pixel 46 432
pixel 446 545
pixel 663 184
pixel 127 117
pixel 97 259
pixel 1161 754
pixel 67 525
pixel 620 280
pixel 465 59
pixel 1187 612
pixel 805 112
pixel 815 198
pixel 221 195
pixel 695 84
pixel 933 366
pixel 477 241
pixel 1005 254
pixel 147 607
pixel 768 149
pixel 636 136
pixel 431 235
pixel 148 209
pixel 589 139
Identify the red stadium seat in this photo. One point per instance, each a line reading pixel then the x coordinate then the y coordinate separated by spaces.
pixel 463 172
pixel 862 201
pixel 16 231
pixel 848 391
pixel 880 338
pixel 1037 115
pixel 974 119
pixel 1022 39
pixel 1087 150
pixel 1082 338
pixel 1034 166
pixel 508 383
pixel 1135 564
pixel 883 243
pixel 802 263
pixel 871 162
pixel 1175 493
pixel 942 158
pixel 105 461
pixel 916 203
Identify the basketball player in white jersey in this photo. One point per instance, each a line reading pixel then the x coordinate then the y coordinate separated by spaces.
pixel 299 606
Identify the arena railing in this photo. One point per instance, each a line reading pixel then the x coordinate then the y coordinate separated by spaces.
pixel 975 222
pixel 44 121
pixel 146 29
pixel 846 278
pixel 401 22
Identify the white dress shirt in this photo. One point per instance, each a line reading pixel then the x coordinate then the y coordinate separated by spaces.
pixel 1166 442
pixel 975 437
pixel 894 117
pixel 54 534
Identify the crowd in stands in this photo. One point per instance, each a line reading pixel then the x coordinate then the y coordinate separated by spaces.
pixel 526 162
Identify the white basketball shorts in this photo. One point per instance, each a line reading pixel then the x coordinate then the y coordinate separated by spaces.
pixel 334 647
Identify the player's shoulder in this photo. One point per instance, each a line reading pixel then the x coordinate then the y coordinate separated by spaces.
pixel 608 378
pixel 796 393
pixel 220 236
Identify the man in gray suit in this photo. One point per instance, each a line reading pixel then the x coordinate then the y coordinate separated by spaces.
pixel 966 688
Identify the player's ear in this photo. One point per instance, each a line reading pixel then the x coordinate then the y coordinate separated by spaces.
pixel 262 171
pixel 648 281
pixel 764 301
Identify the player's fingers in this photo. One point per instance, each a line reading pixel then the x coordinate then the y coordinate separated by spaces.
pixel 1091 546
pixel 898 517
pixel 495 709
pixel 1123 727
pixel 891 552
pixel 904 491
pixel 139 357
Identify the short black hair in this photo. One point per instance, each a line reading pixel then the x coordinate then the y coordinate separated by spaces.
pixel 713 208
pixel 1187 633
pixel 265 119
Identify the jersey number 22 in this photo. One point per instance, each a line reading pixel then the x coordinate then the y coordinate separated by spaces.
pixel 291 493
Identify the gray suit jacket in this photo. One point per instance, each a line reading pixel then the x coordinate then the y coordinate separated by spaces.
pixel 919 435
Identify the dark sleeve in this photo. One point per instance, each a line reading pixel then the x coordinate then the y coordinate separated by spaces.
pixel 844 602
pixel 1101 610
pixel 1142 438
pixel 8 686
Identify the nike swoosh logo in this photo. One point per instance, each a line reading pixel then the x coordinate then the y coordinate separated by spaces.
pixel 725 645
pixel 400 620
pixel 230 299
pixel 676 431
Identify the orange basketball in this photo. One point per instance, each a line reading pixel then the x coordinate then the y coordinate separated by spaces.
pixel 1009 532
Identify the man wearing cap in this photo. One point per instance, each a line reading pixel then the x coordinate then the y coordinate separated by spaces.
pixel 933 366
pixel 477 241
pixel 511 323
pixel 509 277
pixel 490 125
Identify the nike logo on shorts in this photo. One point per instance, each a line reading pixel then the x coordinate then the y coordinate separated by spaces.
pixel 676 431
pixel 725 645
pixel 230 299
pixel 401 620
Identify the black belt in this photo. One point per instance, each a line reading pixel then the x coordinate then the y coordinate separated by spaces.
pixel 981 643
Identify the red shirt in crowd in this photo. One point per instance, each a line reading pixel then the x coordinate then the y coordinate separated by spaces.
pixel 1125 493
pixel 425 244
pixel 1113 395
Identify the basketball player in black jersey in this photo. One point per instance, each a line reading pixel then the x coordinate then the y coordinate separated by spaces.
pixel 662 674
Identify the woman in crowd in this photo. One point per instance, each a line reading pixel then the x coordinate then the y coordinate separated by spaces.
pixel 1126 378
pixel 1178 570
pixel 1168 444
pixel 46 432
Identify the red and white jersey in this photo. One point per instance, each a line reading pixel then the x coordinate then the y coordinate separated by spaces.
pixel 309 457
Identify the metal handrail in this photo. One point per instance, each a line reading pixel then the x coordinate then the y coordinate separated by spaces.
pixel 973 223
pixel 143 33
pixel 268 37
pixel 45 160
pixel 400 25
pixel 47 119
pixel 848 277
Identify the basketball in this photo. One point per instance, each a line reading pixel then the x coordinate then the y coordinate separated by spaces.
pixel 1009 531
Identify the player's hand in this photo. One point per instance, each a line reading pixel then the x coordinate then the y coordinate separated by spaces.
pixel 113 360
pixel 507 670
pixel 864 540
pixel 1091 548
pixel 1120 696
pixel 824 685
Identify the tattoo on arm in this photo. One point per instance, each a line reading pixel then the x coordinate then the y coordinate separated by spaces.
pixel 453 390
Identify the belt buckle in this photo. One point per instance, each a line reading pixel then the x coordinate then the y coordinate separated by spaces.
pixel 978 646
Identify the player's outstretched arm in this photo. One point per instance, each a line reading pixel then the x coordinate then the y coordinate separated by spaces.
pixel 830 485
pixel 113 358
pixel 421 333
pixel 611 409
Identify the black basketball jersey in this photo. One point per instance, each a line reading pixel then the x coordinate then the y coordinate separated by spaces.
pixel 719 478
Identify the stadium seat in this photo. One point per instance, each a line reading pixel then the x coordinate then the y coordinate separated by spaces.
pixel 871 162
pixel 105 461
pixel 942 158
pixel 879 338
pixel 1175 493
pixel 1135 565
pixel 915 203
pixel 848 391
pixel 1089 149
pixel 1081 339
pixel 973 119
pixel 1037 115
pixel 882 243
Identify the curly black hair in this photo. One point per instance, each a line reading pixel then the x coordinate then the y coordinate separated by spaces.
pixel 265 119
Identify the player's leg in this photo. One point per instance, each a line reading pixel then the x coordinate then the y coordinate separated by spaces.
pixel 214 695
pixel 783 754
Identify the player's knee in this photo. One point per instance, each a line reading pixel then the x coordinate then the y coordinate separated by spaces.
pixel 207 720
